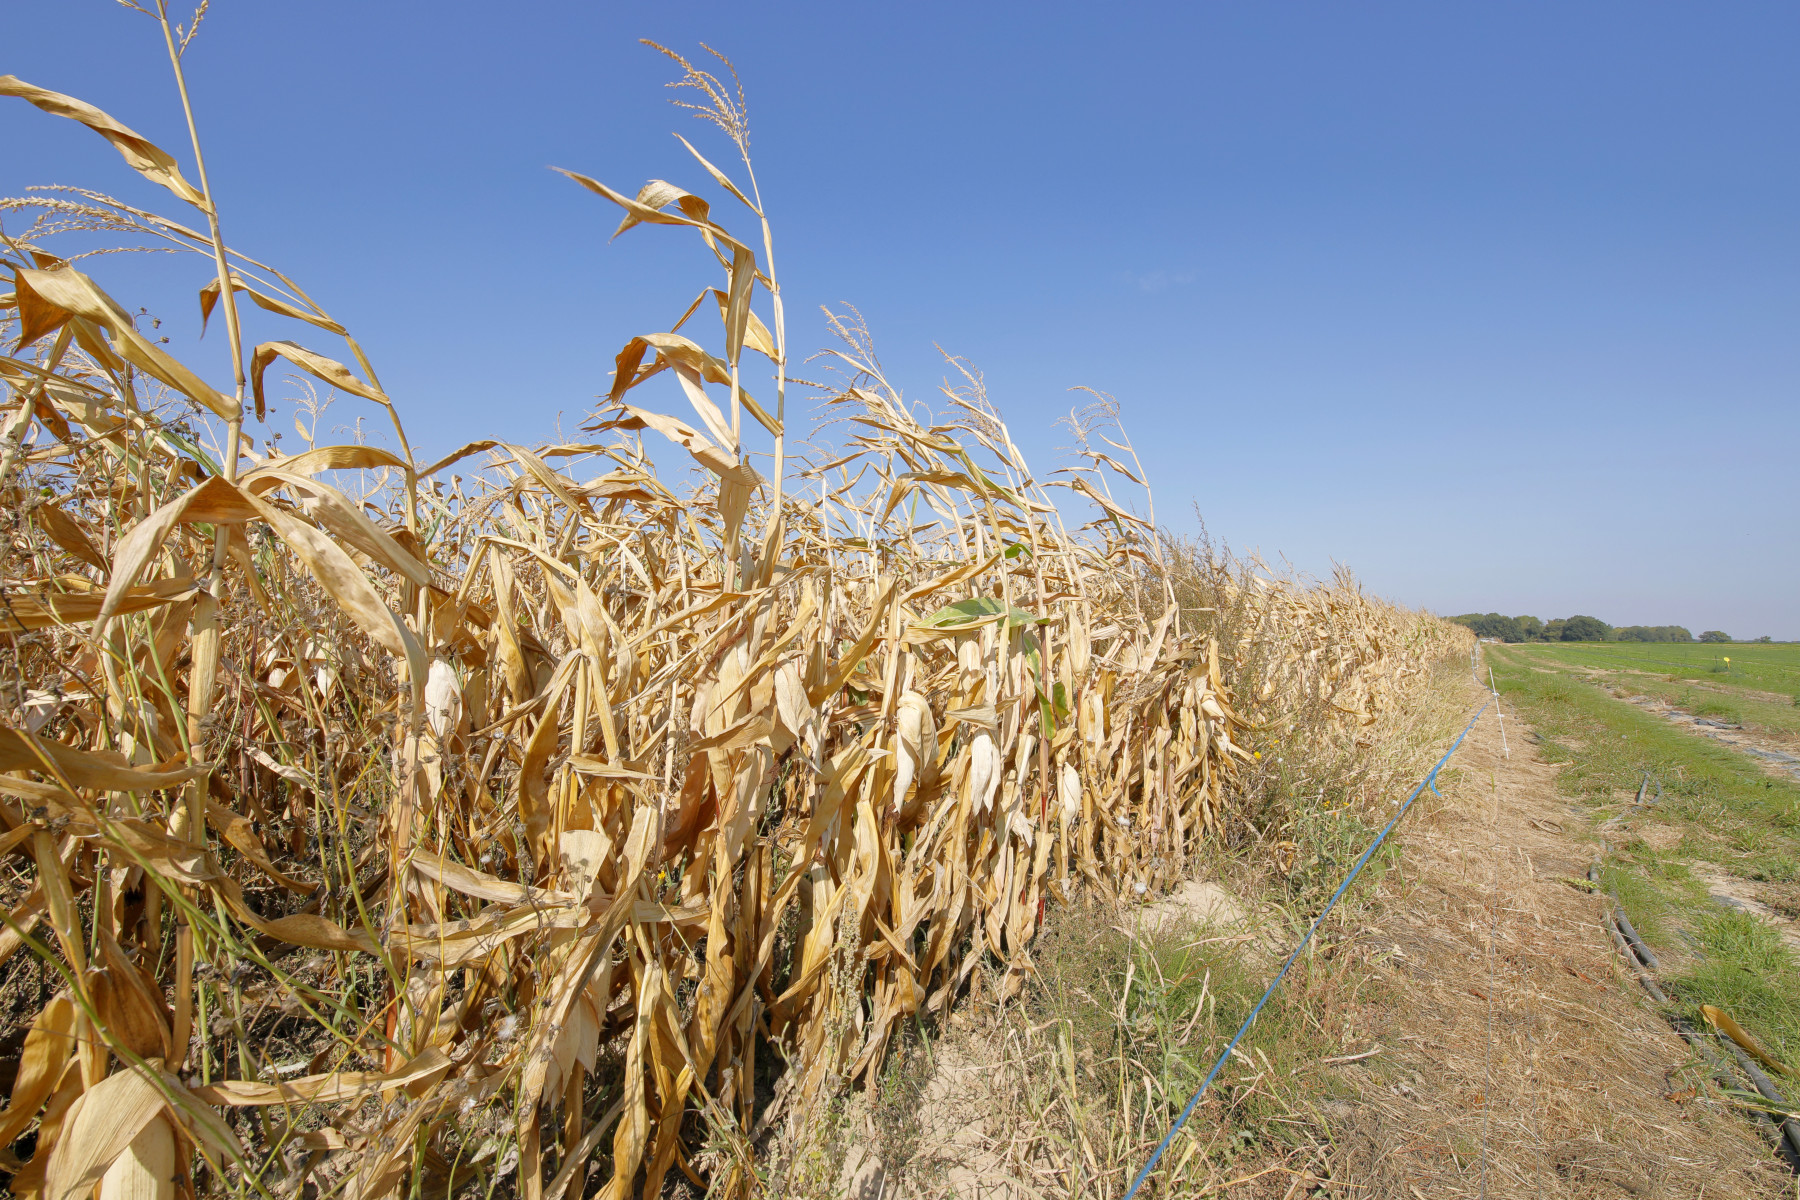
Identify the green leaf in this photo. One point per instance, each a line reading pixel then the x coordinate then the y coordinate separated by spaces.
pixel 1053 701
pixel 1016 549
pixel 978 611
pixel 192 450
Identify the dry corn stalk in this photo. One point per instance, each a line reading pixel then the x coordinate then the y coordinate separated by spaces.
pixel 381 825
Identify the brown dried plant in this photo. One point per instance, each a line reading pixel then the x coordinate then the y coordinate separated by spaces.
pixel 375 828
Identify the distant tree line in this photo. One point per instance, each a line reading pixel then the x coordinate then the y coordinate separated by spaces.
pixel 1578 628
pixel 1654 633
pixel 1581 629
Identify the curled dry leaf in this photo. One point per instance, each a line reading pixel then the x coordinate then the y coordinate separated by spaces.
pixel 74 294
pixel 143 156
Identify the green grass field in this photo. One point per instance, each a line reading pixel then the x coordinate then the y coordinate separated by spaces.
pixel 1759 689
pixel 1772 667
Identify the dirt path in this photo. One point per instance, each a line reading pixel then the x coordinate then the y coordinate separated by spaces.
pixel 1517 1060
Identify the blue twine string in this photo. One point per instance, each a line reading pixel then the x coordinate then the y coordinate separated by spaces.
pixel 1430 781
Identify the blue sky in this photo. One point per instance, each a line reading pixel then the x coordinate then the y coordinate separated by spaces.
pixel 1496 304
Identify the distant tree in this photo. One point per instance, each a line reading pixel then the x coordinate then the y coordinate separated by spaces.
pixel 1491 625
pixel 1653 633
pixel 1530 629
pixel 1765 638
pixel 1715 635
pixel 1585 629
pixel 1553 630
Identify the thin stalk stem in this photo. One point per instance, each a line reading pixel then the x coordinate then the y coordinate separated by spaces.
pixel 233 332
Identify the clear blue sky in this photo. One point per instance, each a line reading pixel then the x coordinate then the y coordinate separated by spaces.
pixel 1497 304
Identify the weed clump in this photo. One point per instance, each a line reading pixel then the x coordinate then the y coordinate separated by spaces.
pixel 1746 969
pixel 1121 1025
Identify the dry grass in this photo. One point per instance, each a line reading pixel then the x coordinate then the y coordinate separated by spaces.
pixel 1519 1058
pixel 382 828
pixel 1068 1093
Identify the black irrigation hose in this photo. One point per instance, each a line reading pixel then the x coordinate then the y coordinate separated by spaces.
pixel 1631 935
pixel 1787 1129
pixel 1637 802
pixel 1624 922
pixel 1788 1145
pixel 1766 1086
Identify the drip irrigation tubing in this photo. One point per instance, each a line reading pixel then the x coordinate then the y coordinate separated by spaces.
pixel 1430 781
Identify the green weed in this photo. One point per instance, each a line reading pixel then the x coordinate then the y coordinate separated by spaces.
pixel 1779 868
pixel 1747 970
pixel 1329 841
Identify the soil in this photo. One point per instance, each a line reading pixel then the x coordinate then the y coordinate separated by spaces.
pixel 1518 1059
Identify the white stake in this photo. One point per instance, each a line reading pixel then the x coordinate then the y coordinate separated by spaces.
pixel 1500 712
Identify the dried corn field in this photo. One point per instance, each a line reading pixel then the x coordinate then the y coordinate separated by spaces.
pixel 537 819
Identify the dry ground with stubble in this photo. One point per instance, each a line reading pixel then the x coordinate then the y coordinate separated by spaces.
pixel 1518 1060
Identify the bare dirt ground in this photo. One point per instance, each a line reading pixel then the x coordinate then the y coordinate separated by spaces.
pixel 1517 1059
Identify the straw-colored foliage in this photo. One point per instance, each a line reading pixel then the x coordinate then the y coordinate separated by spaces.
pixel 380 827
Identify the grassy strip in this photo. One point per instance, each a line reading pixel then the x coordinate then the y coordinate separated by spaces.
pixel 1720 815
pixel 1739 706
